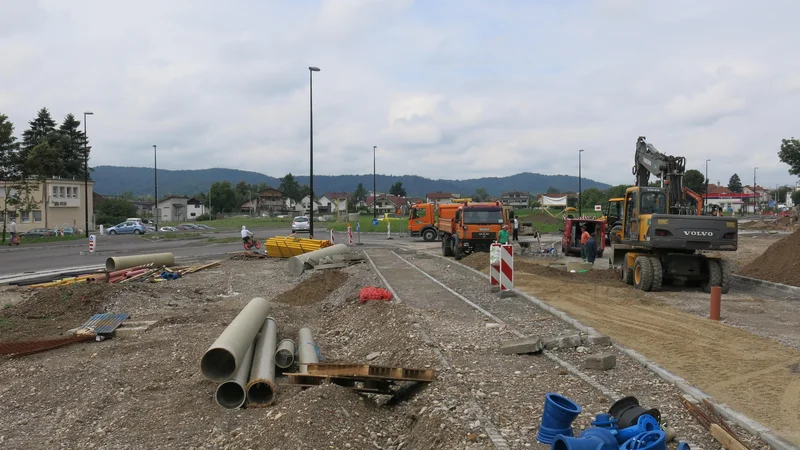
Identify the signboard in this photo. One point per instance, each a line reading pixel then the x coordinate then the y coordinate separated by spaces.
pixel 598 207
pixel 375 222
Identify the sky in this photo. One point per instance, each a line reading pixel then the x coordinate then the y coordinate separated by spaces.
pixel 449 89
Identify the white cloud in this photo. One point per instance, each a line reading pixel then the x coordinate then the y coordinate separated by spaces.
pixel 451 89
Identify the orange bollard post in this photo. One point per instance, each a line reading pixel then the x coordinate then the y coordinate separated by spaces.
pixel 716 302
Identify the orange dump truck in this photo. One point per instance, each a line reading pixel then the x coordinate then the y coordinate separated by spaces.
pixel 423 220
pixel 472 228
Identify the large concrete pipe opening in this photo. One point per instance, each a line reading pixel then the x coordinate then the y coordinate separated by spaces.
pixel 284 357
pixel 225 355
pixel 126 262
pixel 261 389
pixel 232 393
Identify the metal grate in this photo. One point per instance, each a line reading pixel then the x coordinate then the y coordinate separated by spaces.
pixel 106 323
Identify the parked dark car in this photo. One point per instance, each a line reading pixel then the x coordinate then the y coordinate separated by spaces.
pixel 38 232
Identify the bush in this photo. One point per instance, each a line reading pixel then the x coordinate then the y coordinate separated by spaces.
pixel 203 217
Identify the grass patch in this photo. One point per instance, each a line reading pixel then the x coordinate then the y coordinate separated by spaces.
pixel 35 240
pixel 235 223
pixel 398 225
pixel 8 305
pixel 5 323
pixel 174 236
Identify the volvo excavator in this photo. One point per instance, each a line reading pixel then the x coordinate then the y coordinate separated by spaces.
pixel 663 232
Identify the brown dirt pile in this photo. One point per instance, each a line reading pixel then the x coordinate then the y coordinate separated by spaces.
pixel 590 276
pixel 779 264
pixel 313 289
pixel 478 261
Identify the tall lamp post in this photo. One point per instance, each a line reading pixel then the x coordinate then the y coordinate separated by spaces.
pixel 705 200
pixel 311 71
pixel 580 185
pixel 155 183
pixel 755 190
pixel 374 184
pixel 86 172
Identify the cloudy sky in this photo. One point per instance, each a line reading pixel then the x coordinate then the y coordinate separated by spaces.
pixel 444 88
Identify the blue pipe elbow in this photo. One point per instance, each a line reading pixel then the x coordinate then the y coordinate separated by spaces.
pixel 644 424
pixel 591 439
pixel 557 417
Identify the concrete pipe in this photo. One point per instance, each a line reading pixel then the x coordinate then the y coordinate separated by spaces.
pixel 308 350
pixel 261 389
pixel 225 355
pixel 284 357
pixel 126 262
pixel 296 265
pixel 231 394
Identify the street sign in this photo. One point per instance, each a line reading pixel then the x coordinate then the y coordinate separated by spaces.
pixel 375 222
pixel 598 207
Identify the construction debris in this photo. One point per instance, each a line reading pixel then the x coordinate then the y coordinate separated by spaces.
pixel 146 272
pixel 14 349
pixel 245 256
pixel 604 361
pixel 522 346
pixel 711 421
pixel 298 264
pixel 361 377
pixel 373 293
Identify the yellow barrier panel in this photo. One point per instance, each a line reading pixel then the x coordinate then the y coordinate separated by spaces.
pixel 288 246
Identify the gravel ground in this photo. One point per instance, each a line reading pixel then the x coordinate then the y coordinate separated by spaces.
pixel 535 374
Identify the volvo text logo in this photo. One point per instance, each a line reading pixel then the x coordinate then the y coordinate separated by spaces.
pixel 699 233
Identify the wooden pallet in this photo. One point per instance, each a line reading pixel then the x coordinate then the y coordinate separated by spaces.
pixel 367 371
pixel 372 386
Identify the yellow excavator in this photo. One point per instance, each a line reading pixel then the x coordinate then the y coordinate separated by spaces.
pixel 663 232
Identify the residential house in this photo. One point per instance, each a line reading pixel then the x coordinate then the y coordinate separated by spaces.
pixel 304 206
pixel 438 198
pixel 271 200
pixel 54 203
pixel 515 199
pixel 386 203
pixel 172 209
pixel 194 209
pixel 415 200
pixel 338 200
pixel 762 193
pixel 143 206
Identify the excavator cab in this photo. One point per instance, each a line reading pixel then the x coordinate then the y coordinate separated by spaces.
pixel 640 205
pixel 613 219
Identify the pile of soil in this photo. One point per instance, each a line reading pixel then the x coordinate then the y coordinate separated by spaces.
pixel 51 311
pixel 779 264
pixel 478 261
pixel 313 289
pixel 541 219
pixel 590 276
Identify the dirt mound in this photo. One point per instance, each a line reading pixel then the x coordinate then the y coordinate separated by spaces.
pixel 779 264
pixel 590 276
pixel 478 261
pixel 313 289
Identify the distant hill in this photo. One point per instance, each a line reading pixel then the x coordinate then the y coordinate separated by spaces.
pixel 113 180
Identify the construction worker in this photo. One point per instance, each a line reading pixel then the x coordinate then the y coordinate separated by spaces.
pixel 590 250
pixel 585 236
pixel 516 229
pixel 502 236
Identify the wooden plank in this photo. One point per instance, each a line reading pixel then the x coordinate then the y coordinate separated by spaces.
pixel 369 371
pixel 724 438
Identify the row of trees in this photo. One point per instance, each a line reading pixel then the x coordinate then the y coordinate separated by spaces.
pixel 47 149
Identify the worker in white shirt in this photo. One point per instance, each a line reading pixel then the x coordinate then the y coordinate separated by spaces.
pixel 246 234
pixel 516 229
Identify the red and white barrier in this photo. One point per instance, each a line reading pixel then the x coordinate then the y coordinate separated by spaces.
pixel 506 269
pixel 494 267
pixel 91 243
pixel 350 234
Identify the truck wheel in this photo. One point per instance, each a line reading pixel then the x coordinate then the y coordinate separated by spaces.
pixel 445 246
pixel 726 269
pixel 457 252
pixel 453 246
pixel 642 273
pixel 658 273
pixel 714 276
pixel 627 272
pixel 429 235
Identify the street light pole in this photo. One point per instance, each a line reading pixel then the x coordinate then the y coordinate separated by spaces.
pixel 374 184
pixel 86 172
pixel 580 185
pixel 311 71
pixel 705 201
pixel 155 183
pixel 755 190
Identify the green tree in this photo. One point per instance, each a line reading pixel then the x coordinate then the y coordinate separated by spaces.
pixel 9 167
pixel 127 195
pixel 72 147
pixel 780 194
pixel 481 195
pixel 398 189
pixel 735 184
pixel 359 195
pixel 790 154
pixel 591 197
pixel 694 180
pixel 616 191
pixel 115 210
pixel 223 198
pixel 796 198
pixel 290 187
pixel 553 190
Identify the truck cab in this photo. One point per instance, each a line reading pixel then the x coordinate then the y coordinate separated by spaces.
pixel 473 227
pixel 423 219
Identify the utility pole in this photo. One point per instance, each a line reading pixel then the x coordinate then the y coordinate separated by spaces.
pixel 705 201
pixel 580 186
pixel 155 184
pixel 374 184
pixel 755 190
pixel 86 172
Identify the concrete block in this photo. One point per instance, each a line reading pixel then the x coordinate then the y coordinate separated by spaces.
pixel 572 341
pixel 569 341
pixel 553 343
pixel 603 361
pixel 522 346
pixel 598 340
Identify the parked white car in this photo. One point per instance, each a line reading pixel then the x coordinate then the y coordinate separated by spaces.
pixel 168 229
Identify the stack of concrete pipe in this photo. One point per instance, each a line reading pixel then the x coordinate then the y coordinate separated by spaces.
pixel 126 262
pixel 243 358
pixel 296 265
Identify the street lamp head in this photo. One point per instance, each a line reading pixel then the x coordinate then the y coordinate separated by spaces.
pixel 313 69
pixel 88 113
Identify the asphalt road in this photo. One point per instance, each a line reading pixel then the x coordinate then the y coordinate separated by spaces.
pixel 32 258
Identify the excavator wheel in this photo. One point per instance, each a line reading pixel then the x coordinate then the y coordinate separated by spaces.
pixel 642 273
pixel 727 269
pixel 658 274
pixel 615 235
pixel 627 272
pixel 714 275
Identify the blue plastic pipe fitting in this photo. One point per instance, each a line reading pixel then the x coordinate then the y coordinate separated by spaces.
pixel 591 439
pixel 651 440
pixel 605 421
pixel 557 417
pixel 644 424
